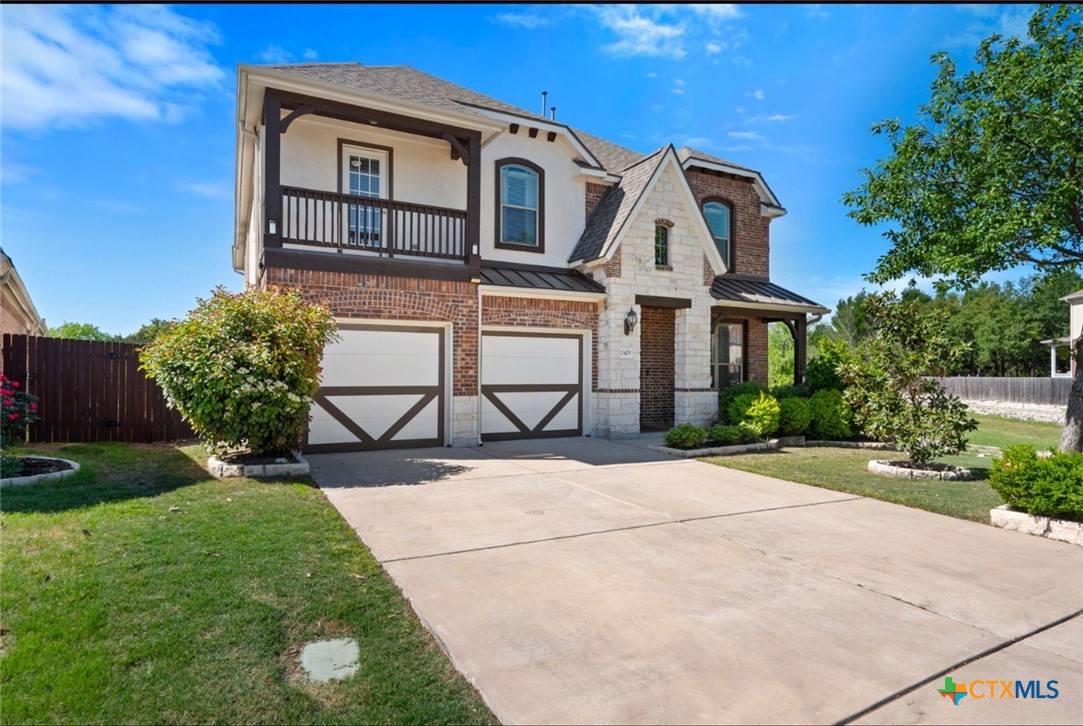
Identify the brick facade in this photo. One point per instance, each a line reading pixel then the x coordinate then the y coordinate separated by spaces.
pixel 594 193
pixel 352 295
pixel 657 369
pixel 541 313
pixel 755 345
pixel 612 268
pixel 751 230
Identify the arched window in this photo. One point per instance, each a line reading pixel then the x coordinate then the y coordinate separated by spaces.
pixel 520 205
pixel 661 245
pixel 719 216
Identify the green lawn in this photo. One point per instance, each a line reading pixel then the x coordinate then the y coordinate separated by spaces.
pixel 141 590
pixel 845 470
pixel 1000 432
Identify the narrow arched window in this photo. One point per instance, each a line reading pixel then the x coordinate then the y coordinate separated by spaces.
pixel 719 216
pixel 661 245
pixel 520 205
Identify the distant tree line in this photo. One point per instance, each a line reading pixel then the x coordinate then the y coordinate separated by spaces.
pixel 1002 324
pixel 87 331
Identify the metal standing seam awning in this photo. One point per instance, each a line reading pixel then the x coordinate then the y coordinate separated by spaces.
pixel 762 295
pixel 548 279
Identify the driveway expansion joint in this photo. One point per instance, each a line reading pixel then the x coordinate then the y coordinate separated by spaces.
pixel 956 666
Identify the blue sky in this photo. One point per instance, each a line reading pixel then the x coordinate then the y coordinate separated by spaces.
pixel 117 124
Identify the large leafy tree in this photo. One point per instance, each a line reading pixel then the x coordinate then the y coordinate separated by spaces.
pixel 80 331
pixel 991 177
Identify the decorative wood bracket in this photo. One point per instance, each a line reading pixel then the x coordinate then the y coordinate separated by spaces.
pixel 302 110
pixel 458 151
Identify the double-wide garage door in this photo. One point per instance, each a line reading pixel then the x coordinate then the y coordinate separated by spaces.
pixel 383 387
pixel 531 385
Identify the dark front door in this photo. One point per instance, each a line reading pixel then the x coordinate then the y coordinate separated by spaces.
pixel 656 369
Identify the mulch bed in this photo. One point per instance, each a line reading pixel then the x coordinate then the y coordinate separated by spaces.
pixel 33 465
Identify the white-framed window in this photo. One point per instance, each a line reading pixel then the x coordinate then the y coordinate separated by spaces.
pixel 364 174
pixel 719 216
pixel 728 355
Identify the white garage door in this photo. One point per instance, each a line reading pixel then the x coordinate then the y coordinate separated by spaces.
pixel 531 385
pixel 383 387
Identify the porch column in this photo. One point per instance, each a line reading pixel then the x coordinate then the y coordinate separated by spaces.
pixel 693 398
pixel 272 170
pixel 473 201
pixel 800 349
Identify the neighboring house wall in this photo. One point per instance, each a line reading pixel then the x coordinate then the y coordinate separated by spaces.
pixel 1075 328
pixel 751 230
pixel 17 312
pixel 617 405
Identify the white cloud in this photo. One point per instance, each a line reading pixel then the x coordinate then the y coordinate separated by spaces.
pixel 816 11
pixel 13 173
pixel 740 109
pixel 209 190
pixel 747 135
pixel 527 21
pixel 716 47
pixel 757 94
pixel 310 54
pixel 70 65
pixel 678 91
pixel 1010 21
pixel 732 149
pixel 773 118
pixel 275 54
pixel 652 75
pixel 697 141
pixel 717 11
pixel 639 35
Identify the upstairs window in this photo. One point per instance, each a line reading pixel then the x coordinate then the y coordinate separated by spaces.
pixel 661 245
pixel 520 202
pixel 719 218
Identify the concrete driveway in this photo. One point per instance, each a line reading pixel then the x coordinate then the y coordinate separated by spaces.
pixel 591 581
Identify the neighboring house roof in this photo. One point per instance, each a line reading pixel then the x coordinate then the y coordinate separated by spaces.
pixel 759 291
pixel 1073 296
pixel 613 209
pixel 538 278
pixel 12 288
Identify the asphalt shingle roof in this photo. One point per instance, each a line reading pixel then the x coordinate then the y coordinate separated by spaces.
pixel 612 210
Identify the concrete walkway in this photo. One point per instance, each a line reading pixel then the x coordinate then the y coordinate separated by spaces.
pixel 591 581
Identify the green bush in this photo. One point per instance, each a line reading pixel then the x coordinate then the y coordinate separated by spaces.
pixel 729 393
pixel 722 435
pixel 789 391
pixel 242 369
pixel 821 373
pixel 1047 487
pixel 830 416
pixel 763 416
pixel 10 466
pixel 685 436
pixel 738 408
pixel 795 416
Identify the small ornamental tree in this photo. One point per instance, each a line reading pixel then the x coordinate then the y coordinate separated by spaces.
pixel 893 384
pixel 242 369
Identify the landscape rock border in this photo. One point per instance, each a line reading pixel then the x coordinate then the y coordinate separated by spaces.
pixel 949 473
pixel 17 481
pixel 718 450
pixel 1061 530
pixel 222 470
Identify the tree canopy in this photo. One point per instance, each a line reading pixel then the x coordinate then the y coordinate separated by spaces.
pixel 992 176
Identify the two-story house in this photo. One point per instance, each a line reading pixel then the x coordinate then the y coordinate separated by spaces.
pixel 497 274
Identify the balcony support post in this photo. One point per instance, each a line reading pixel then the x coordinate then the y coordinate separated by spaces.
pixel 473 200
pixel 272 169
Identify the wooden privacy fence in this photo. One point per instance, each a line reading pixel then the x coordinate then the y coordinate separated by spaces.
pixel 1010 390
pixel 90 391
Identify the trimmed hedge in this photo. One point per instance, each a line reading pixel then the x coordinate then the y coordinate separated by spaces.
pixel 795 416
pixel 830 415
pixel 1046 487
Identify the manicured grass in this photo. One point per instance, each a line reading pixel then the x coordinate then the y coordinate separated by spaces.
pixel 141 590
pixel 844 470
pixel 1000 432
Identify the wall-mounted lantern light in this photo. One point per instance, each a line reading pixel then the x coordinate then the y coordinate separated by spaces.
pixel 630 321
pixel 272 226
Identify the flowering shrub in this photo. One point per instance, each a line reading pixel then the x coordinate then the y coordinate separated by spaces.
pixel 18 410
pixel 242 369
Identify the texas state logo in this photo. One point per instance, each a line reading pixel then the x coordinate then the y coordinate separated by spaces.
pixel 993 689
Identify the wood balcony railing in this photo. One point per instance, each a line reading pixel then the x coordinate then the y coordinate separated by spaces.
pixel 379 226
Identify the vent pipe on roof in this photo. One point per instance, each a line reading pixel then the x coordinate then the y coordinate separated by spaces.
pixel 545 96
pixel 553 113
